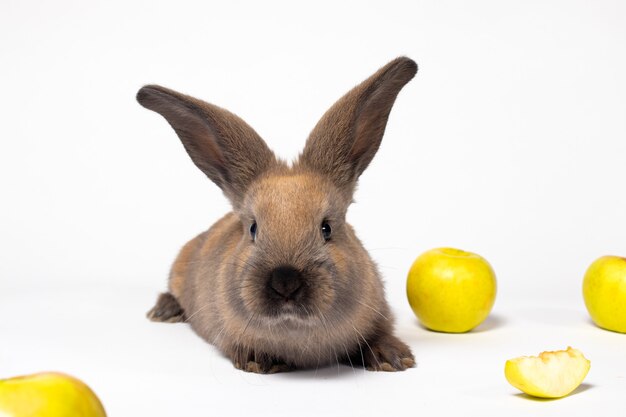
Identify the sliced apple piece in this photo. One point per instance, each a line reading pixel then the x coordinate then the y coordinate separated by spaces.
pixel 549 375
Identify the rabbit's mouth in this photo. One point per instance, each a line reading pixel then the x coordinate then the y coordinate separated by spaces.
pixel 291 321
pixel 289 311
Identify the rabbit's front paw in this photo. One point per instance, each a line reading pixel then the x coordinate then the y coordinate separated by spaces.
pixel 259 363
pixel 387 353
pixel 166 310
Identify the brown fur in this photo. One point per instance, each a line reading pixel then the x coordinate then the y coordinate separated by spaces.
pixel 222 279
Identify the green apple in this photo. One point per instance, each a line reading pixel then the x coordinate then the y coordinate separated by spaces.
pixel 549 375
pixel 604 291
pixel 48 394
pixel 451 290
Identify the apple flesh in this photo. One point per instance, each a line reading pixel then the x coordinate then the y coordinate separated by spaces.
pixel 604 292
pixel 451 290
pixel 48 394
pixel 549 375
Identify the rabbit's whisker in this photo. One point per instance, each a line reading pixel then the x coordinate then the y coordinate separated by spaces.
pixel 360 349
pixel 368 345
pixel 372 308
pixel 196 312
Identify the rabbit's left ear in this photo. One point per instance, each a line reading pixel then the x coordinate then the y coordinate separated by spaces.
pixel 345 140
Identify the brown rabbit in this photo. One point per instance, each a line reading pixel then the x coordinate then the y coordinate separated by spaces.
pixel 282 282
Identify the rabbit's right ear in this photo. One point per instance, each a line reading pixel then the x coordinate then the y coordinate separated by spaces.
pixel 222 145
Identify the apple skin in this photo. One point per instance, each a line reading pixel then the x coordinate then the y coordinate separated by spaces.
pixel 451 290
pixel 604 292
pixel 48 394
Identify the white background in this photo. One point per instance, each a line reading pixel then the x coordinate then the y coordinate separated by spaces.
pixel 510 142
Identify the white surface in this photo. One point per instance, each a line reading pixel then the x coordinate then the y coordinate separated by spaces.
pixel 142 368
pixel 509 143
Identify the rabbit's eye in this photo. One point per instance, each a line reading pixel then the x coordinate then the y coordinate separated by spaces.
pixel 253 230
pixel 326 231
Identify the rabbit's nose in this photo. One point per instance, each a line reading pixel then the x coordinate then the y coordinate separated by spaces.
pixel 286 281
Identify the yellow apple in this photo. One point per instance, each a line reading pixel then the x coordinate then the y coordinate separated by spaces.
pixel 451 290
pixel 48 394
pixel 604 291
pixel 549 375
